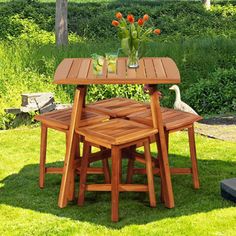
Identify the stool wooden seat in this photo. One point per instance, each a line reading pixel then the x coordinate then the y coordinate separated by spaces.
pixel 117 107
pixel 173 120
pixel 60 120
pixel 117 134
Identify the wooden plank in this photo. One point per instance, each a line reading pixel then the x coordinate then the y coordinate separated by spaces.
pixel 142 171
pixel 193 156
pixel 151 190
pixel 180 171
pixel 98 187
pixel 74 69
pixel 83 173
pixel 91 74
pixel 121 68
pixel 131 73
pixel 63 69
pixel 115 182
pixel 68 163
pixel 43 150
pixel 149 67
pixel 133 188
pixel 115 80
pixel 84 68
pixel 160 71
pixel 54 170
pixel 163 154
pixel 141 70
pixel 170 68
pixel 121 76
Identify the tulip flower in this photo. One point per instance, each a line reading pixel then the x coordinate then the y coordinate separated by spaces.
pixel 140 21
pixel 145 17
pixel 157 31
pixel 119 15
pixel 130 18
pixel 115 23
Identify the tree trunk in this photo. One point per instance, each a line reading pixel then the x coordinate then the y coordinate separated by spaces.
pixel 61 26
pixel 207 4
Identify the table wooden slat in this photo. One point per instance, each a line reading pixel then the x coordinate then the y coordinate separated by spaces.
pixel 74 69
pixel 63 69
pixel 150 71
pixel 160 71
pixel 141 70
pixel 91 74
pixel 84 68
pixel 121 68
pixel 170 67
pixel 131 73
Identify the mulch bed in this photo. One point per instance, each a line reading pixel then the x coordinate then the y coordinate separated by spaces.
pixel 223 128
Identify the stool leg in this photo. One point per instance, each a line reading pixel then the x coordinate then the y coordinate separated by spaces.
pixel 163 185
pixel 43 150
pixel 151 190
pixel 83 172
pixel 77 147
pixel 115 181
pixel 193 157
pixel 71 194
pixel 130 170
pixel 106 169
pixel 167 140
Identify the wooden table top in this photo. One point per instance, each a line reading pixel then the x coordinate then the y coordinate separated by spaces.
pixel 151 70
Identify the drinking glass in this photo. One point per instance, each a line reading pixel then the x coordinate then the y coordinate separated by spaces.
pixel 111 59
pixel 98 62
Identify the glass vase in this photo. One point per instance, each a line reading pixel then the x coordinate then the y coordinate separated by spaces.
pixel 133 59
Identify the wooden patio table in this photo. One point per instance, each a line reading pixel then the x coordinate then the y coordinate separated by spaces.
pixel 152 71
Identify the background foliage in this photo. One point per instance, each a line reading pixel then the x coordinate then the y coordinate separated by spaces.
pixel 203 44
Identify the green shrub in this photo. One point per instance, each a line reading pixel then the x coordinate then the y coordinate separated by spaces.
pixel 216 94
pixel 202 43
pixel 93 20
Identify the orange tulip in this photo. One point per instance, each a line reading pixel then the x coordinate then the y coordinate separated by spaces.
pixel 145 17
pixel 157 31
pixel 130 18
pixel 119 15
pixel 115 23
pixel 140 21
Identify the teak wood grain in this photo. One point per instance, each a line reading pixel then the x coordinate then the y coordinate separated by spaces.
pixel 160 70
pixel 60 120
pixel 117 107
pixel 172 119
pixel 79 71
pixel 117 134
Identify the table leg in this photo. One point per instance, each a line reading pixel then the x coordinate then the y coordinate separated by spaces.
pixel 115 182
pixel 164 163
pixel 71 145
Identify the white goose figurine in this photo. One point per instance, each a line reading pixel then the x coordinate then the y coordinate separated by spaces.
pixel 180 105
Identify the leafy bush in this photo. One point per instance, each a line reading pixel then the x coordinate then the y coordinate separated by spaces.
pixel 201 43
pixel 216 94
pixel 93 20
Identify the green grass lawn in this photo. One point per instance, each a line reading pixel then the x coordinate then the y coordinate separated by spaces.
pixel 27 210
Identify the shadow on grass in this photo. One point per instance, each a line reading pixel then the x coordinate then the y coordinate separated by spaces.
pixel 21 190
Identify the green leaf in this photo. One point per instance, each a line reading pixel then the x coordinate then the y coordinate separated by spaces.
pixel 136 44
pixel 125 45
pixel 134 34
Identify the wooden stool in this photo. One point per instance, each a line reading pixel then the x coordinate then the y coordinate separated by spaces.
pixel 117 107
pixel 173 120
pixel 116 134
pixel 60 120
